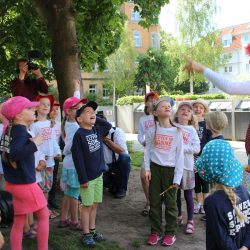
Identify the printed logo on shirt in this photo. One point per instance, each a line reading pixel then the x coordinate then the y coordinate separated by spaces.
pixel 186 137
pixel 46 133
pixel 234 222
pixel 163 142
pixel 93 142
pixel 200 132
pixel 149 124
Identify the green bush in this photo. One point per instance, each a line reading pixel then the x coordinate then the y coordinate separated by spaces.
pixel 128 100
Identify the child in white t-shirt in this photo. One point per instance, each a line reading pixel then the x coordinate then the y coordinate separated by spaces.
pixel 146 122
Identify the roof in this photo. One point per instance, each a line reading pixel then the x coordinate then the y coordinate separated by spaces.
pixel 236 31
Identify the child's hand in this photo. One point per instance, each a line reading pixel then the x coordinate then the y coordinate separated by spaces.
pixel 176 185
pixel 148 175
pixel 38 140
pixel 57 157
pixel 77 85
pixel 85 185
pixel 1 240
pixel 41 166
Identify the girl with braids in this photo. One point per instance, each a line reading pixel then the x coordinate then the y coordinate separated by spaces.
pixel 164 163
pixel 228 208
pixel 69 177
pixel 146 122
pixel 18 148
pixel 188 123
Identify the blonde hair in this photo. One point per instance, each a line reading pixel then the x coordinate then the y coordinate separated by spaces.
pixel 193 122
pixel 232 196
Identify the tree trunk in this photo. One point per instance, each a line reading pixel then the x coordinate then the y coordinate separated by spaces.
pixel 60 19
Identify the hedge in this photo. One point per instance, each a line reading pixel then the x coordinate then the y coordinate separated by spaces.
pixel 128 100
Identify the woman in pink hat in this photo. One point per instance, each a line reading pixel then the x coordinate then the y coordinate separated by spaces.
pixel 18 148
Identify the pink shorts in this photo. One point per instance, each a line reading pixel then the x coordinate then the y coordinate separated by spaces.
pixel 27 198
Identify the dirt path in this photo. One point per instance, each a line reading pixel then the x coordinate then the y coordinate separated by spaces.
pixel 120 220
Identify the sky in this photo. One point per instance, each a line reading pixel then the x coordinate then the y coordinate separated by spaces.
pixel 230 13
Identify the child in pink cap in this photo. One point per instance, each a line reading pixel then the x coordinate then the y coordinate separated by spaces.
pixel 18 148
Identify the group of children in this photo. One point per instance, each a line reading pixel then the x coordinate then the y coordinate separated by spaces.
pixel 29 148
pixel 173 161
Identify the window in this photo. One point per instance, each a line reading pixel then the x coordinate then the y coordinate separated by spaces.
pixel 92 88
pixel 225 69
pixel 137 39
pixel 135 16
pixel 227 40
pixel 246 38
pixel 105 92
pixel 154 40
pixel 230 69
pixel 247 67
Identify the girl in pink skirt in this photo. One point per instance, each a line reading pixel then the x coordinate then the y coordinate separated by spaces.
pixel 18 148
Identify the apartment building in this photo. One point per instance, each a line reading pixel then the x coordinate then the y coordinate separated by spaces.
pixel 234 40
pixel 143 40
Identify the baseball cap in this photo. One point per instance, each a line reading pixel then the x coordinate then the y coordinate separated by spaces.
pixel 217 164
pixel 50 97
pixel 73 101
pixel 203 103
pixel 91 104
pixel 16 105
pixel 185 104
pixel 162 99
pixel 151 93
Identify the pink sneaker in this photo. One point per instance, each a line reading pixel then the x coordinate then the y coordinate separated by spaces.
pixel 153 239
pixel 168 240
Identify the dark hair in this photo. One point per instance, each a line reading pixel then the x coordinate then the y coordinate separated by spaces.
pixel 146 110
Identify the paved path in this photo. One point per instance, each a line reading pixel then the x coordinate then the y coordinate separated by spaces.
pixel 238 146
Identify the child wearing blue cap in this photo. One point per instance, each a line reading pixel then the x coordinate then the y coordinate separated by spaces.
pixel 228 208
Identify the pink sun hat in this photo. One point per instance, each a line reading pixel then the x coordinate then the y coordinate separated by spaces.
pixel 16 105
pixel 73 101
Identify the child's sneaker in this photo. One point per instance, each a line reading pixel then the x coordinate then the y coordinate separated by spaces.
pixel 88 241
pixel 153 239
pixel 202 211
pixel 168 240
pixel 197 208
pixel 98 236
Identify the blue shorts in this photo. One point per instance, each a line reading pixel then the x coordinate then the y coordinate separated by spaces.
pixel 72 192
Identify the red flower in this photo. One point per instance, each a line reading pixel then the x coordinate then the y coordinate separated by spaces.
pixel 248 49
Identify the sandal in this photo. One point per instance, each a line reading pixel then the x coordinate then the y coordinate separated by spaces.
pixel 180 220
pixel 190 227
pixel 76 226
pixel 33 226
pixel 145 211
pixel 30 234
pixel 53 214
pixel 64 223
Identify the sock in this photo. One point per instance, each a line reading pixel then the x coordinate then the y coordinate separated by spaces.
pixel 92 231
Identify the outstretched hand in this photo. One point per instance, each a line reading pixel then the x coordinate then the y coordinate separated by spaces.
pixel 193 66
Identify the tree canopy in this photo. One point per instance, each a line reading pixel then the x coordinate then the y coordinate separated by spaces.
pixel 72 34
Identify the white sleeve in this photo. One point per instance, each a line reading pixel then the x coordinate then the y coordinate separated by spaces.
pixel 141 135
pixel 193 146
pixel 56 148
pixel 179 166
pixel 39 156
pixel 120 139
pixel 149 145
pixel 236 88
pixel 77 94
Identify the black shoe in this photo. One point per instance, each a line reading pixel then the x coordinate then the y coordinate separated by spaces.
pixel 53 204
pixel 203 218
pixel 120 194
